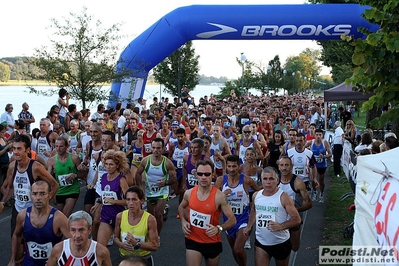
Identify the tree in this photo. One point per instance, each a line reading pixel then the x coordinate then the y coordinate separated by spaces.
pixel 82 57
pixel 377 61
pixel 179 69
pixel 4 72
pixel 306 64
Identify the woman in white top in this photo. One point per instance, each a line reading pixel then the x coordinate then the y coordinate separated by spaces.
pixel 63 104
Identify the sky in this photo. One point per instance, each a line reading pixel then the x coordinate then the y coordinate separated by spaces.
pixel 25 27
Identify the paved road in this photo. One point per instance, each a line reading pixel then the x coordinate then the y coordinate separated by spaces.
pixel 172 250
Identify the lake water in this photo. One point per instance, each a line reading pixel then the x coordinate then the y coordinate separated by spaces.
pixel 39 105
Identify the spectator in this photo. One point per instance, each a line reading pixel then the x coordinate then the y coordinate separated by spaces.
pixel 365 143
pixel 26 116
pixel 8 117
pixel 63 103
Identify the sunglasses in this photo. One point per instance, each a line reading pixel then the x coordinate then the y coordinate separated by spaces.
pixel 203 174
pixel 247 132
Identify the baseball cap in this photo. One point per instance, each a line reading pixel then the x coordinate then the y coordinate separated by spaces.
pixel 190 106
pixel 203 116
pixel 175 123
pixel 4 123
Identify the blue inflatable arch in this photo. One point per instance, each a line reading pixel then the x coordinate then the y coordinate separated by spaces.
pixel 232 22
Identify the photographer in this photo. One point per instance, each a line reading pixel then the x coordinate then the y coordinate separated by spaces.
pixel 63 103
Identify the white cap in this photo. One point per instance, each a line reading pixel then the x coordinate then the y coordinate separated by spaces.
pixel 203 116
pixel 190 106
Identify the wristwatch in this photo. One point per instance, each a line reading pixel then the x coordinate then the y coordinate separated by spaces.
pixel 137 246
pixel 220 228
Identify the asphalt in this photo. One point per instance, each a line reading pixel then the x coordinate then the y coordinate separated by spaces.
pixel 172 250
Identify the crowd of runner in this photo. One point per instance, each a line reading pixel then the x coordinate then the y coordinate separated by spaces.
pixel 258 160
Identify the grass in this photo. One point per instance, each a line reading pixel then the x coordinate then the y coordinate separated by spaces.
pixel 337 216
pixel 360 120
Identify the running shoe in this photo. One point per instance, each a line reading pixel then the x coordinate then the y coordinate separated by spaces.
pixel 247 244
pixel 111 240
pixel 321 199
pixel 314 196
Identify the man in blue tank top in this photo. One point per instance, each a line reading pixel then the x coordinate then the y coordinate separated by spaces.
pixel 321 151
pixel 41 225
pixel 235 187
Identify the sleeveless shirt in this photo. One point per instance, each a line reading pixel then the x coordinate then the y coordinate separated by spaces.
pixel 154 174
pixel 62 170
pixel 39 241
pixel 139 231
pixel 270 208
pixel 67 259
pixel 191 180
pixel 92 163
pixel 202 213
pixel 22 186
pixel 43 145
pixel 243 149
pixel 238 199
pixel 111 189
pixel 147 143
pixel 178 155
pixel 317 150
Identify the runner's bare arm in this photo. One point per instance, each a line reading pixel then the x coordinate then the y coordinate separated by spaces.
pixel 140 171
pixel 103 255
pixel 17 236
pixel 7 187
pixel 182 212
pixel 301 187
pixel 61 223
pixel 252 217
pixel 152 245
pixel 226 209
pixel 171 171
pixel 295 219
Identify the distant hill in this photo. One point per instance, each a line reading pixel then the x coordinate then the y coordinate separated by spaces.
pixel 19 66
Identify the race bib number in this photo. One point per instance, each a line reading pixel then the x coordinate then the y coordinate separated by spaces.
pixel 154 188
pixel 192 180
pixel 63 182
pixel 236 207
pixel 137 157
pixel 199 219
pixel 140 239
pixel 262 220
pixel 147 148
pixel 318 159
pixel 299 170
pixel 42 149
pixel 109 194
pixel 39 251
pixel 244 120
pixel 23 195
pixel 180 164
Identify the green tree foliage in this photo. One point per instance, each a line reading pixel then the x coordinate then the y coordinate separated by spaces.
pixel 306 64
pixel 167 72
pixel 4 72
pixel 19 66
pixel 377 60
pixel 82 57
